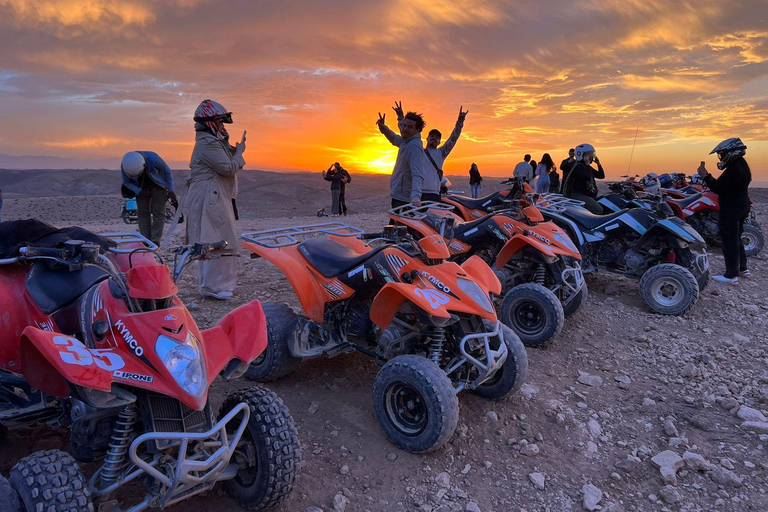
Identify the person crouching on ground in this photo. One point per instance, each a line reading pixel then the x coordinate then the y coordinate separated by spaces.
pixel 408 174
pixel 580 183
pixel 733 196
pixel 210 200
pixel 148 178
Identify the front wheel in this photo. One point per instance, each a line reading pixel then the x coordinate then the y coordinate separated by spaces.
pixel 10 497
pixel 752 238
pixel 669 289
pixel 276 361
pixel 269 453
pixel 534 313
pixel 50 481
pixel 510 377
pixel 415 403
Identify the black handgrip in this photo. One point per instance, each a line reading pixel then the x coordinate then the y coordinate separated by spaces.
pixel 216 246
pixel 31 252
pixel 370 236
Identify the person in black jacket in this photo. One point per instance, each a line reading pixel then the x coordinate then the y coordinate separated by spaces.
pixel 338 176
pixel 580 183
pixel 732 194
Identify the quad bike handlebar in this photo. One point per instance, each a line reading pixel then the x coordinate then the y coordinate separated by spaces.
pixel 186 254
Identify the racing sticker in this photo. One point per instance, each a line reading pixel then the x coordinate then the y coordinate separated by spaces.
pixel 435 298
pixel 73 352
pixel 136 377
pixel 396 262
pixel 334 289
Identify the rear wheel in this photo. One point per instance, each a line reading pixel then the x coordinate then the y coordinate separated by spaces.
pixel 276 361
pixel 9 496
pixel 669 289
pixel 269 453
pixel 126 216
pixel 50 481
pixel 752 238
pixel 510 377
pixel 415 403
pixel 534 313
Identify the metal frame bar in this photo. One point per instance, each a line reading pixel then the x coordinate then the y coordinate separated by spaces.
pixel 409 211
pixel 284 237
pixel 126 238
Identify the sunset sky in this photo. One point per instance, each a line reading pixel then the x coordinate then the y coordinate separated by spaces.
pixel 306 78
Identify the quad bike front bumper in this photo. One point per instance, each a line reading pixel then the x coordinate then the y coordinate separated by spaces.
pixel 701 262
pixel 476 351
pixel 572 282
pixel 190 464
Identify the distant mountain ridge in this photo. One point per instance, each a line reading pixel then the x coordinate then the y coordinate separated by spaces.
pixel 25 162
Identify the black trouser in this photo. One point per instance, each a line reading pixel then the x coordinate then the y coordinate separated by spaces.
pixel 397 203
pixel 731 223
pixel 342 203
pixel 431 197
pixel 150 210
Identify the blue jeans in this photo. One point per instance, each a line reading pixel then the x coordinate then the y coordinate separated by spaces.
pixel 474 190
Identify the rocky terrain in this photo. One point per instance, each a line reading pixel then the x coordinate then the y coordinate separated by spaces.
pixel 626 411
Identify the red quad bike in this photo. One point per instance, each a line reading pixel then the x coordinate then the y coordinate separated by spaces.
pixel 429 322
pixel 536 262
pixel 94 335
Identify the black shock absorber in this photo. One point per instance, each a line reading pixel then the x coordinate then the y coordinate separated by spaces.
pixel 118 445
pixel 436 347
pixel 539 279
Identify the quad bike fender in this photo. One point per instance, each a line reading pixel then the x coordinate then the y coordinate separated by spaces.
pixel 49 360
pixel 392 296
pixel 241 335
pixel 291 263
pixel 515 244
pixel 675 227
pixel 418 226
pixel 483 275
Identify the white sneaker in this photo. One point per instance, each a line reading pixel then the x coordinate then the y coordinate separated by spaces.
pixel 219 295
pixel 745 273
pixel 723 279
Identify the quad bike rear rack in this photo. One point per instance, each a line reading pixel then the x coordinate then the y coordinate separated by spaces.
pixel 409 211
pixel 128 238
pixel 556 202
pixel 284 237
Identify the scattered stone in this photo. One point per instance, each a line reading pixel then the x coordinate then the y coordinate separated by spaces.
pixel 727 464
pixel 749 464
pixel 670 494
pixel 313 509
pixel 443 480
pixel 344 470
pixel 530 450
pixel 627 464
pixel 748 414
pixel 726 477
pixel 623 381
pixel 589 380
pixel 466 469
pixel 594 427
pixel 689 371
pixel 647 402
pixel 696 462
pixel 391 456
pixel 538 480
pixel 528 390
pixel 667 458
pixel 670 429
pixel 340 503
pixel 740 338
pixel 761 427
pixel 668 475
pixel 491 415
pixel 313 407
pixel 615 476
pixel 472 507
pixel 592 496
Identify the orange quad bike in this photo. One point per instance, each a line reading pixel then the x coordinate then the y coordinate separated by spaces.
pixel 430 323
pixel 536 262
pixel 470 208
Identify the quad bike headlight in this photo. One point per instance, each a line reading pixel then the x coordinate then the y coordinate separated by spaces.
pixel 477 294
pixel 184 362
pixel 565 240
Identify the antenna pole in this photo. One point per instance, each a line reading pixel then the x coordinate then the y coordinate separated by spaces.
pixel 633 150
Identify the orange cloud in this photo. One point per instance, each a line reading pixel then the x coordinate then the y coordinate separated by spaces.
pixel 98 142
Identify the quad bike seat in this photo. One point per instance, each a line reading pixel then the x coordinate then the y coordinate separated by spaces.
pixel 475 204
pixel 462 228
pixel 589 220
pixel 686 201
pixel 330 257
pixel 52 289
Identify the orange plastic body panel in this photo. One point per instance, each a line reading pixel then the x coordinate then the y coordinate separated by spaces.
pixel 479 270
pixel 533 214
pixel 241 334
pixel 150 282
pixel 434 247
pixel 312 288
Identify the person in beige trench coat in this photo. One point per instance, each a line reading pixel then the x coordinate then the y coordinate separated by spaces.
pixel 208 204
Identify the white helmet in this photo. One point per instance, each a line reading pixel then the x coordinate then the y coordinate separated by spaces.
pixel 582 150
pixel 133 164
pixel 729 150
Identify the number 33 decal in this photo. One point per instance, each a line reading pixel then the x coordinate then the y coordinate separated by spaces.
pixel 76 353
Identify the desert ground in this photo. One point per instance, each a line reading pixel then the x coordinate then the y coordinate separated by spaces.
pixel 619 386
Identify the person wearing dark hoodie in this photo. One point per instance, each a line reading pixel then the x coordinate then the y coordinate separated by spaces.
pixel 732 189
pixel 580 183
pixel 434 156
pixel 209 202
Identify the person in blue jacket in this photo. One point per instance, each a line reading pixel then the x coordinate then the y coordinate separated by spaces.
pixel 148 178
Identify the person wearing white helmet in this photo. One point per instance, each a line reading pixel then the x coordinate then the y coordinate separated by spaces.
pixel 732 189
pixel 148 178
pixel 580 183
pixel 209 203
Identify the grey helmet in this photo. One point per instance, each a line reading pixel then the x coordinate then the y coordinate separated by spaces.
pixel 728 151
pixel 582 150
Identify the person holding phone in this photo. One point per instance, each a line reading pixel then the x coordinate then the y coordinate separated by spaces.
pixel 209 204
